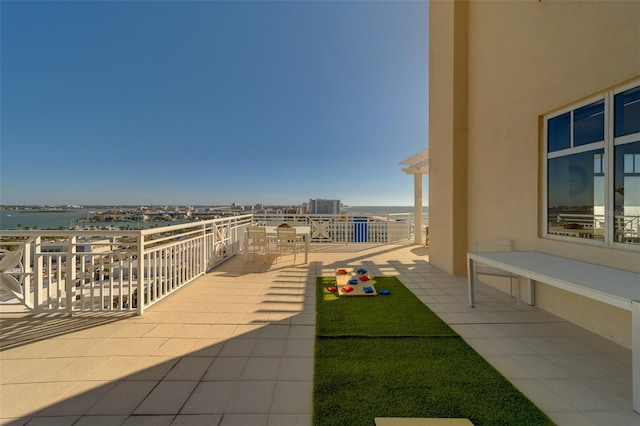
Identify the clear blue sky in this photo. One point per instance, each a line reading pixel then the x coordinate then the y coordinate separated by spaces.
pixel 211 102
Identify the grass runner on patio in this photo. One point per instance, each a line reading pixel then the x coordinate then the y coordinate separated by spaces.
pixel 391 356
pixel 399 314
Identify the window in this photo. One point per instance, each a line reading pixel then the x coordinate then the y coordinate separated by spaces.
pixel 592 169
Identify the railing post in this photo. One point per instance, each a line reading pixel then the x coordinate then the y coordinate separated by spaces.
pixel 36 283
pixel 140 307
pixel 70 274
pixel 214 240
pixel 635 355
pixel 388 233
pixel 204 249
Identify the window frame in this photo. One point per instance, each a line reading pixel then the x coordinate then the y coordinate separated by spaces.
pixel 608 145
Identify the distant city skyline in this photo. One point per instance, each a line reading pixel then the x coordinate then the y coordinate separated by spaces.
pixel 54 217
pixel 211 103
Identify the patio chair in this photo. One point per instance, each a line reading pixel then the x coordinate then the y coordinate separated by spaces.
pixel 493 245
pixel 287 241
pixel 257 239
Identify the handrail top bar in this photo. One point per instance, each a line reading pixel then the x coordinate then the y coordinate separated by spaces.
pixel 117 233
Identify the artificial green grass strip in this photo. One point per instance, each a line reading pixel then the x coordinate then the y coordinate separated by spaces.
pixel 359 377
pixel 400 313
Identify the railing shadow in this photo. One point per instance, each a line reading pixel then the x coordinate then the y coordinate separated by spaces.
pixel 30 328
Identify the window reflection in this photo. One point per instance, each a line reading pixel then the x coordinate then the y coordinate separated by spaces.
pixel 576 195
pixel 559 132
pixel 588 124
pixel 627 193
pixel 627 112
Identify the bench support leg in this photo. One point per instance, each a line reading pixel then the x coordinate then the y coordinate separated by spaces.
pixel 473 282
pixel 531 284
pixel 635 353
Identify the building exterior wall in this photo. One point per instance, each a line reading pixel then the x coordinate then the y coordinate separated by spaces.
pixel 448 126
pixel 523 59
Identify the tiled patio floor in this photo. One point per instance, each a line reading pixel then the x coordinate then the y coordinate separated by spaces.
pixel 236 347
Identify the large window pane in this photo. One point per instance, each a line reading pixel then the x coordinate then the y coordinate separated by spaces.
pixel 627 112
pixel 559 132
pixel 575 188
pixel 585 199
pixel 588 124
pixel 627 193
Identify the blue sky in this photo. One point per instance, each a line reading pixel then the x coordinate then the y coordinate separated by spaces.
pixel 211 102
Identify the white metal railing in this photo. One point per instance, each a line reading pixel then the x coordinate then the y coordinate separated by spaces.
pixel 74 271
pixel 129 270
pixel 348 228
pixel 626 227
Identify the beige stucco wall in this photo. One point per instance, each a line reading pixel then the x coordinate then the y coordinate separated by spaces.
pixel 525 59
pixel 448 125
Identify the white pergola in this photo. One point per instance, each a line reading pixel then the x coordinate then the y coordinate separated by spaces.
pixel 417 165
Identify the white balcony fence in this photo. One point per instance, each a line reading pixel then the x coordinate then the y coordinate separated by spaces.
pixel 626 227
pixel 96 271
pixel 342 228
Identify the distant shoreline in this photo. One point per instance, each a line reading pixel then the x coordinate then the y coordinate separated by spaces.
pixel 38 217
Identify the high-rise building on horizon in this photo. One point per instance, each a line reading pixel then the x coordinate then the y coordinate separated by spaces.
pixel 320 206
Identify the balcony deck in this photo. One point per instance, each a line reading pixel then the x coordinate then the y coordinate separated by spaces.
pixel 235 347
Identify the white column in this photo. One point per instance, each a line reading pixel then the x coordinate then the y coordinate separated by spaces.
pixel 417 198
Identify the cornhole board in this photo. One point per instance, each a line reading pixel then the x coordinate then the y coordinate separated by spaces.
pixel 413 421
pixel 342 280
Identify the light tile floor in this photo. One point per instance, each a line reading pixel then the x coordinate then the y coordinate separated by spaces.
pixel 236 347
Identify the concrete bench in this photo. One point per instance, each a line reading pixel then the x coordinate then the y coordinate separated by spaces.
pixel 607 285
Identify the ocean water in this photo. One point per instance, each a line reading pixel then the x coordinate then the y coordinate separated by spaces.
pixel 383 209
pixel 373 210
pixel 67 219
pixel 16 219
